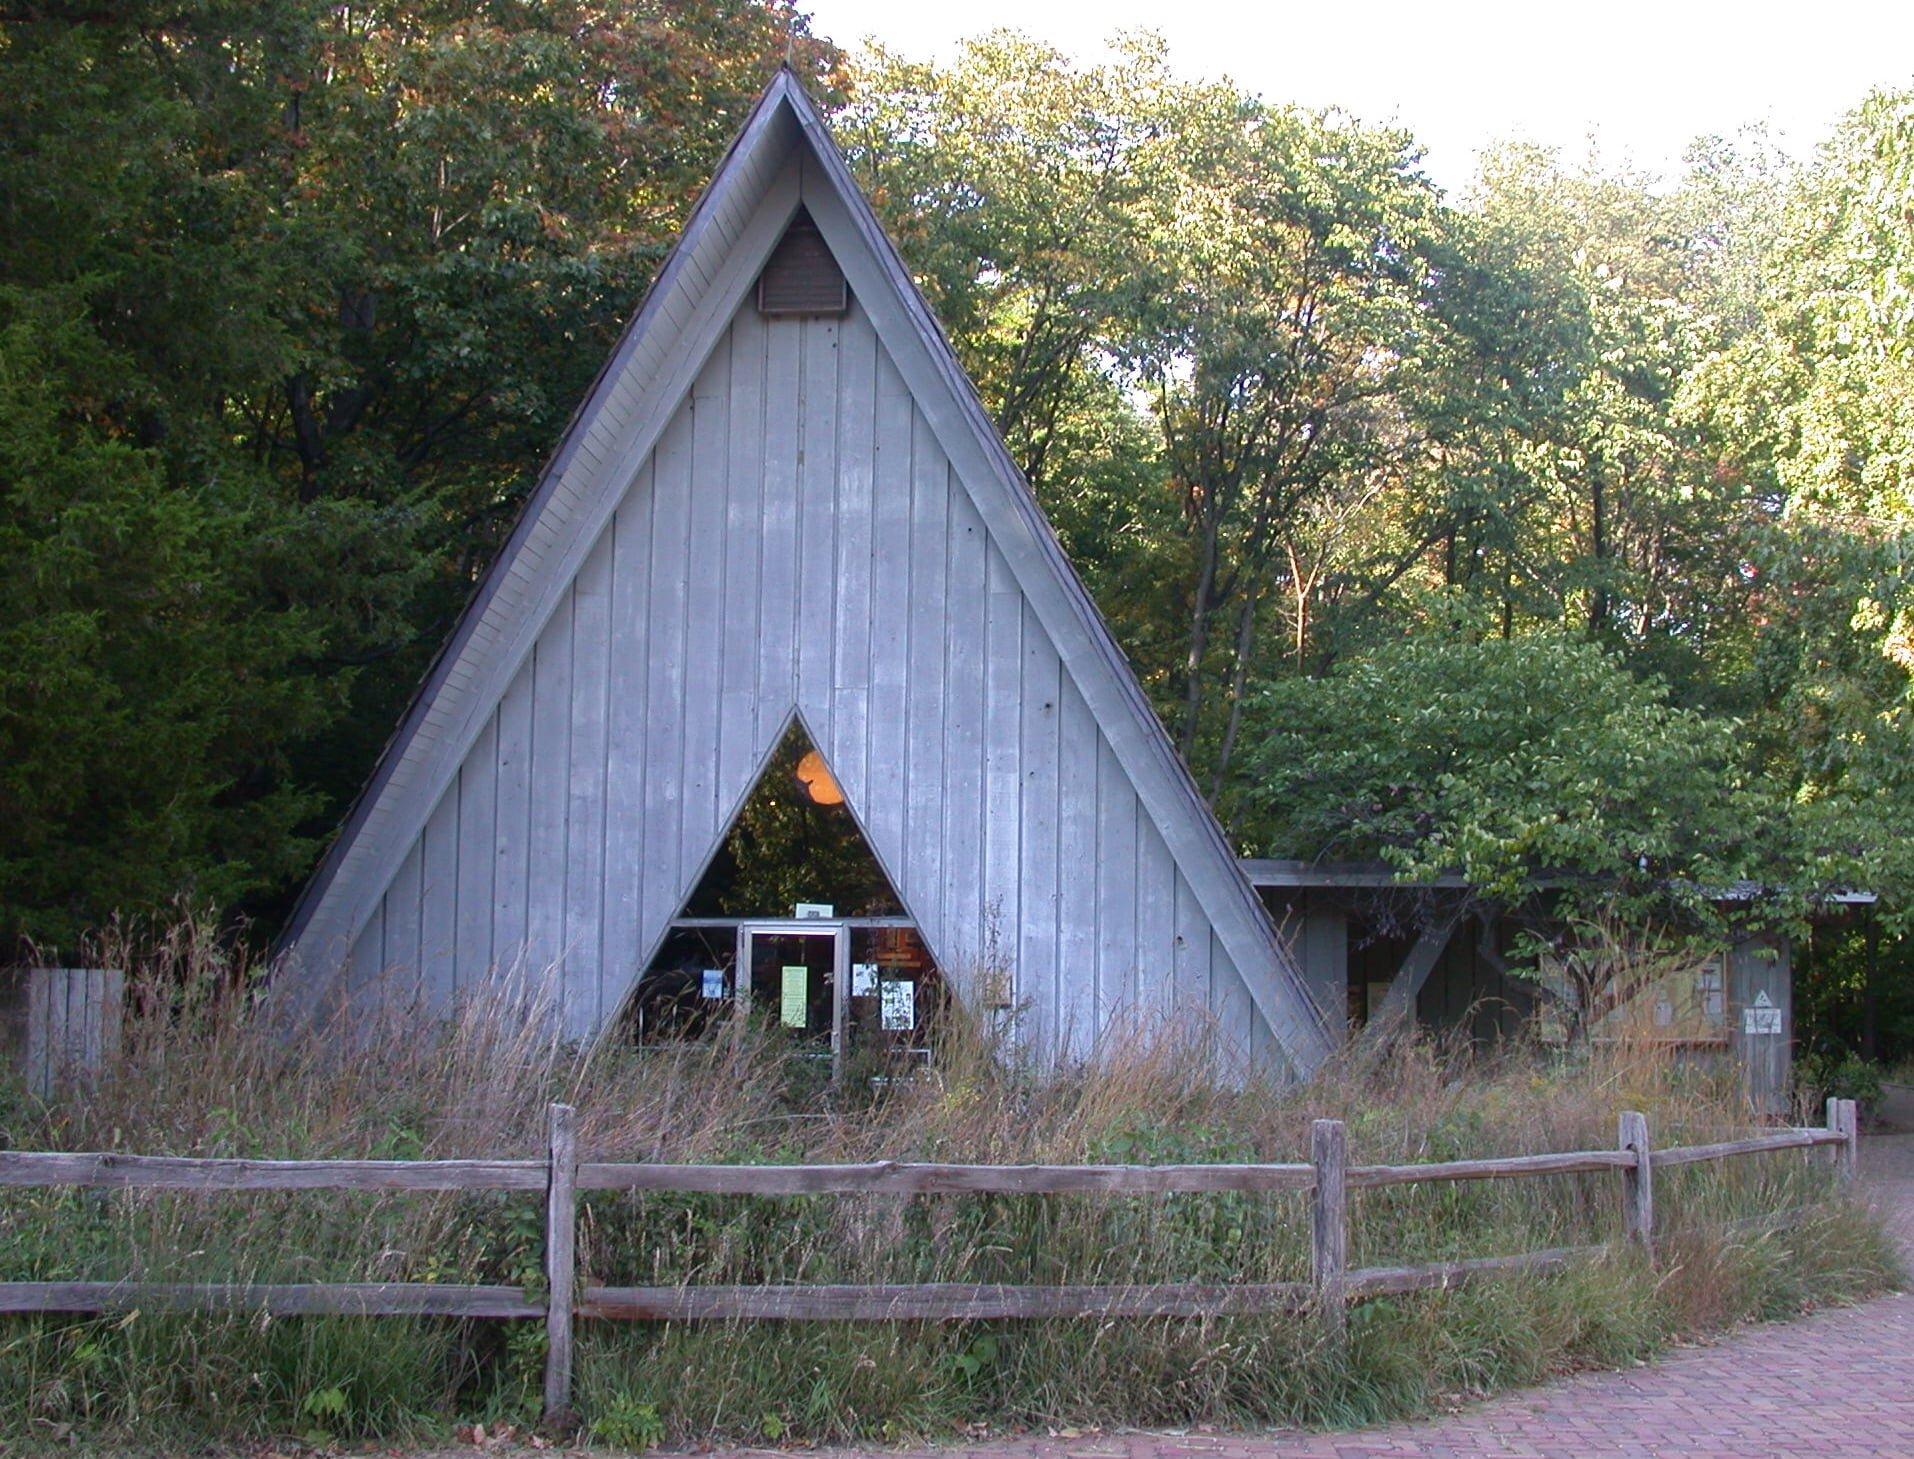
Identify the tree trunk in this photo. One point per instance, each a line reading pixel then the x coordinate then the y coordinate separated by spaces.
pixel 1201 607
pixel 1598 545
pixel 1301 585
pixel 1239 675
pixel 308 440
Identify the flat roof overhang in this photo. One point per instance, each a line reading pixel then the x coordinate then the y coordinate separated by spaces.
pixel 1379 875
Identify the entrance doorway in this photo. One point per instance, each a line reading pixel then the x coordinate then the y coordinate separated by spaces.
pixel 796 973
pixel 795 925
pixel 846 988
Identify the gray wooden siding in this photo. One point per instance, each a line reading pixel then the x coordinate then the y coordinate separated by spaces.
pixel 1757 965
pixel 63 1025
pixel 797 542
pixel 732 230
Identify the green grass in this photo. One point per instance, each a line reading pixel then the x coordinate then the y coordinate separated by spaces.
pixel 205 1080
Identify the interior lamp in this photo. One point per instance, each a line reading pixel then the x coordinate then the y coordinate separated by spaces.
pixel 818 782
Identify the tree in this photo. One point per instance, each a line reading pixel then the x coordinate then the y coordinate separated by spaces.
pixel 333 277
pixel 1299 267
pixel 1516 762
pixel 1024 189
pixel 1809 404
pixel 146 694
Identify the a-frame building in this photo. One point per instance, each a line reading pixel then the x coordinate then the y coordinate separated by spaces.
pixel 782 502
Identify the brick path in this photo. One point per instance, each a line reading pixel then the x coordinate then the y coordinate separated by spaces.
pixel 1836 1385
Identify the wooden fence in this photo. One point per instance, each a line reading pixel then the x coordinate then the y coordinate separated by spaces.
pixel 561 1176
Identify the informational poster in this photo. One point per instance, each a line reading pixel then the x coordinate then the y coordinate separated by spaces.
pixel 711 983
pixel 813 911
pixel 1682 1006
pixel 863 980
pixel 1761 1016
pixel 1708 984
pixel 898 1010
pixel 794 1005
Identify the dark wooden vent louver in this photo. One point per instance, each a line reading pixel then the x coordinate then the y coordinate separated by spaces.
pixel 802 276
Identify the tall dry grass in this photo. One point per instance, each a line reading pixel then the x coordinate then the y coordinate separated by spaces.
pixel 205 1074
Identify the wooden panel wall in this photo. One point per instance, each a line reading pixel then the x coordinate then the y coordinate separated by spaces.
pixel 1761 1038
pixel 72 1022
pixel 799 542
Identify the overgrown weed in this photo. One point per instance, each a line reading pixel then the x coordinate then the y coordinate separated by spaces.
pixel 208 1072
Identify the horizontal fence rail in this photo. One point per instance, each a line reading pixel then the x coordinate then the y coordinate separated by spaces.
pixel 180 1173
pixel 561 1177
pixel 1756 1145
pixel 359 1299
pixel 904 1178
pixel 943 1301
pixel 1501 1168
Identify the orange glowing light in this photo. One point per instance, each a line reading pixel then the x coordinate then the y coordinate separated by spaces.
pixel 818 782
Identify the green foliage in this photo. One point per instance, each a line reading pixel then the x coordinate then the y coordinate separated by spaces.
pixel 1810 405
pixel 1847 1076
pixel 626 1424
pixel 146 687
pixel 1023 188
pixel 296 298
pixel 1508 760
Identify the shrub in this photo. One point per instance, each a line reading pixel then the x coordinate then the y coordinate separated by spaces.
pixel 1839 1076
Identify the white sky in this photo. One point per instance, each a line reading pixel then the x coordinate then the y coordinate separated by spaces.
pixel 1645 77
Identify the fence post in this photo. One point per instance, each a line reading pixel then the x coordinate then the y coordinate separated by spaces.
pixel 1329 1224
pixel 1638 1182
pixel 561 1245
pixel 1844 1118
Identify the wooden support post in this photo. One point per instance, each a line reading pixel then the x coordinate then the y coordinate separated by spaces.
pixel 561 1246
pixel 1844 1120
pixel 1329 1225
pixel 1398 1009
pixel 840 1002
pixel 73 1026
pixel 1638 1182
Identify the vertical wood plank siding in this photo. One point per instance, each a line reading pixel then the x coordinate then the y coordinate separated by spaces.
pixel 73 1018
pixel 798 544
pixel 731 231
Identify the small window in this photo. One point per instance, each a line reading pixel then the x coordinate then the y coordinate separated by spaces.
pixel 802 276
pixel 795 840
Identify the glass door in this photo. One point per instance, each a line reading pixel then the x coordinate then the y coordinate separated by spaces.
pixel 795 972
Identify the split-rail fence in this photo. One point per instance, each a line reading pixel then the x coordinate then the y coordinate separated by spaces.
pixel 560 1177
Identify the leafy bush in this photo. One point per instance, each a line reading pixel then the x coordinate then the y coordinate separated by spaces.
pixel 1839 1076
pixel 1500 759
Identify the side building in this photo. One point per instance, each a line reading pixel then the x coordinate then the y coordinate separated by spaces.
pixel 1373 948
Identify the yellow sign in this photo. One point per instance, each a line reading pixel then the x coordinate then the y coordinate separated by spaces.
pixel 794 1008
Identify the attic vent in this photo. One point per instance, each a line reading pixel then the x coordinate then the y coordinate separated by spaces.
pixel 802 276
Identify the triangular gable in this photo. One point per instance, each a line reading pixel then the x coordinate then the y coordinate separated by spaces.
pixel 636 423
